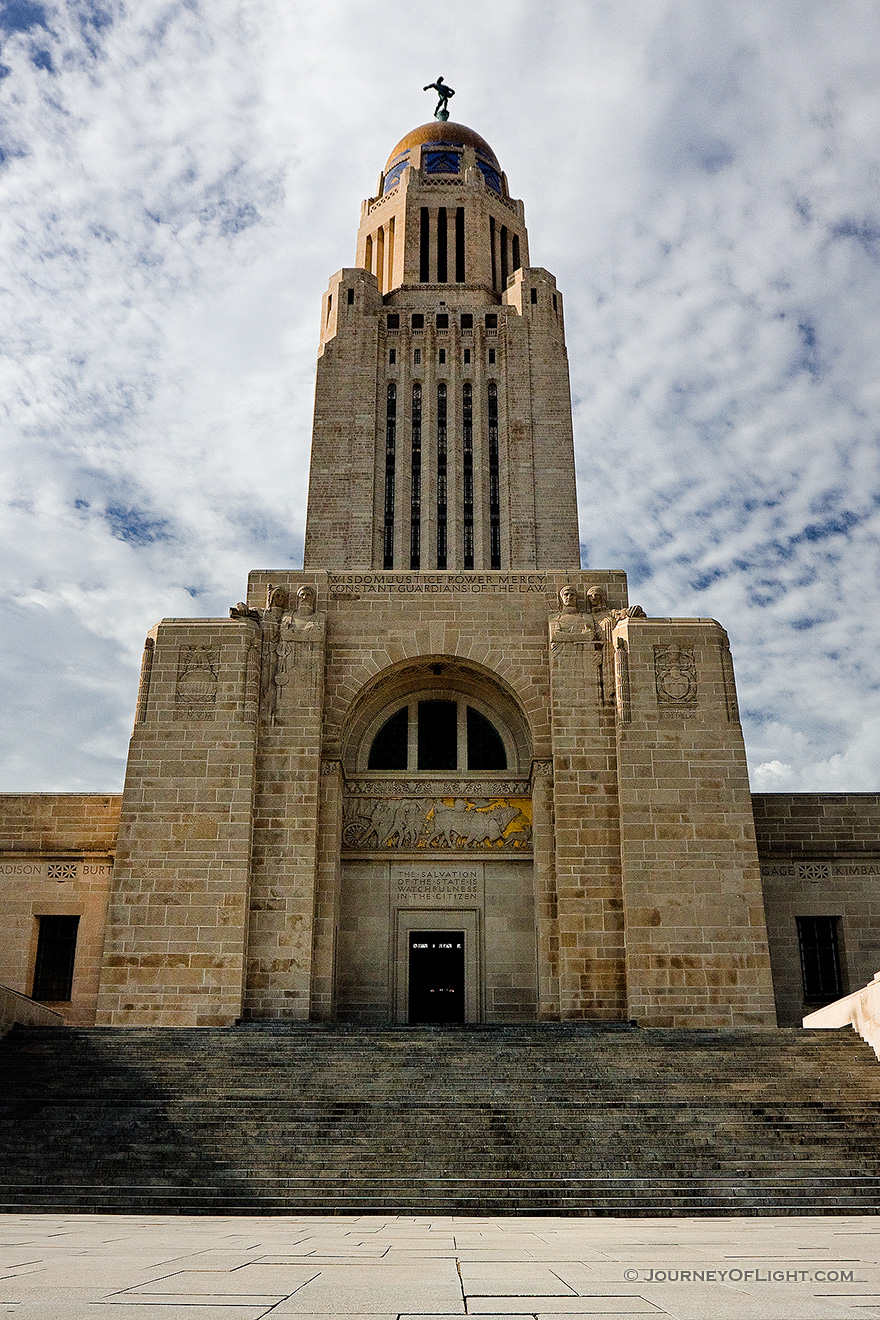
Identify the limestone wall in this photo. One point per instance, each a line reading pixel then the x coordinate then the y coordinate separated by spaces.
pixel 820 856
pixel 56 857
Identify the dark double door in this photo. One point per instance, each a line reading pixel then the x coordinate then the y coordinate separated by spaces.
pixel 436 976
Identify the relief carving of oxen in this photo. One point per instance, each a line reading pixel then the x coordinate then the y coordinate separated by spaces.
pixel 377 823
pixel 461 824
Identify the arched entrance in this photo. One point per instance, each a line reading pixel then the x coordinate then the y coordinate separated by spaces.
pixel 437 907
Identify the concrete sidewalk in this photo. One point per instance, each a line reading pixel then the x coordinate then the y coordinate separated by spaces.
pixel 145 1267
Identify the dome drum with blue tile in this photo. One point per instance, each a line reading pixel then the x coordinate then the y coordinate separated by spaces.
pixel 442 215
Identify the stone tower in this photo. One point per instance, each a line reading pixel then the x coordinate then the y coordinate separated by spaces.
pixel 442 435
pixel 441 773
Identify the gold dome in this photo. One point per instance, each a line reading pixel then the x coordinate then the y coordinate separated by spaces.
pixel 438 131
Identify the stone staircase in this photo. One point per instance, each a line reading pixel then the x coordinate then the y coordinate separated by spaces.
pixel 549 1119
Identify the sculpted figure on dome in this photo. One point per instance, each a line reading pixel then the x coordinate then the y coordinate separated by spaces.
pixel 444 93
pixel 571 624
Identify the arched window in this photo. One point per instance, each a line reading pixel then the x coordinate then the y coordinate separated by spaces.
pixel 438 735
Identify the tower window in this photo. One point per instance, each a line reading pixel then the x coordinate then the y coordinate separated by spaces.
pixel 492 251
pixel 442 356
pixel 467 356
pixel 425 245
pixel 415 512
pixel 820 959
pixel 494 481
pixel 516 260
pixel 350 297
pixel 491 357
pixel 393 320
pixel 504 261
pixel 418 321
pixel 467 472
pixel 390 444
pixel 442 320
pixel 467 322
pixel 554 302
pixel 392 356
pixel 459 245
pixel 534 293
pixel 417 356
pixel 442 507
pixel 442 265
pixel 491 320
pixel 56 954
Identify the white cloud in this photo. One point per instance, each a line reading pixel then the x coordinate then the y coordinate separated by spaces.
pixel 700 176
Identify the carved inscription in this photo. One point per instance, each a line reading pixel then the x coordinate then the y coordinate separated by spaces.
pixel 489 824
pixel 818 871
pixel 352 586
pixel 445 885
pixel 198 668
pixel 675 675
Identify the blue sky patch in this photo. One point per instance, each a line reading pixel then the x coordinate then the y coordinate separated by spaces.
pixel 21 16
pixel 134 526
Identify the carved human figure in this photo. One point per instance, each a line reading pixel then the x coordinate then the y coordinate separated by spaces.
pixel 243 611
pixel 444 93
pixel 570 624
pixel 597 600
pixel 301 624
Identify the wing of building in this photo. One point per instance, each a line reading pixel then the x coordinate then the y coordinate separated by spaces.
pixel 442 773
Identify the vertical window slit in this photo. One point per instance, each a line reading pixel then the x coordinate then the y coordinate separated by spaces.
pixel 494 482
pixel 442 265
pixel 459 245
pixel 516 261
pixel 380 258
pixel 425 246
pixel 390 276
pixel 415 503
pixel 390 441
pixel 504 257
pixel 492 249
pixel 467 469
pixel 442 508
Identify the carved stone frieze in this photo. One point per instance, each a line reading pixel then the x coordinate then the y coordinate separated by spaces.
pixel 493 824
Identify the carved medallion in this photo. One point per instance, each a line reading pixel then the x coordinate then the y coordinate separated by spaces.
pixel 675 675
pixel 198 668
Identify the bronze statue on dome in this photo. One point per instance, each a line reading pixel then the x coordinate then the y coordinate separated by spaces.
pixel 444 93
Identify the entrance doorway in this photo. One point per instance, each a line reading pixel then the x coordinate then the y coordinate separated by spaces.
pixel 436 976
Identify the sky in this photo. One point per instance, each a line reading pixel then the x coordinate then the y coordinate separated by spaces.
pixel 178 181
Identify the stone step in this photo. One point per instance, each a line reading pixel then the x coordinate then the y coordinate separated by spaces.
pixel 556 1119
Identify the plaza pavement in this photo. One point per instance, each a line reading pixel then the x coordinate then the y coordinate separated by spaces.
pixel 156 1267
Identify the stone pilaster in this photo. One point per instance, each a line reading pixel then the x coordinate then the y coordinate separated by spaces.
pixel 696 939
pixel 587 863
pixel 286 828
pixel 177 925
